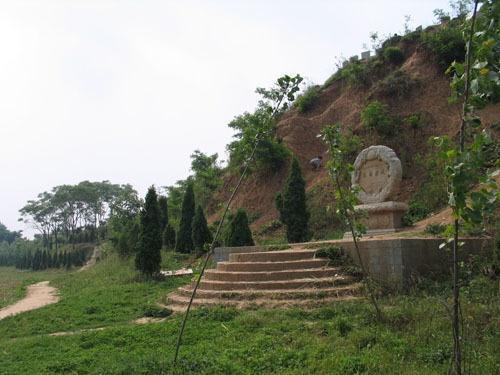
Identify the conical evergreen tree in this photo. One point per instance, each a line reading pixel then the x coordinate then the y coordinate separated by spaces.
pixel 239 231
pixel 163 206
pixel 292 206
pixel 184 235
pixel 201 233
pixel 148 257
pixel 169 237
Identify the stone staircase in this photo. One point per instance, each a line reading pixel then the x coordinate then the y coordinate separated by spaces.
pixel 283 278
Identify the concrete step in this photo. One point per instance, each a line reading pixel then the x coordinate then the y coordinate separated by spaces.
pixel 272 256
pixel 322 282
pixel 271 275
pixel 301 293
pixel 271 266
pixel 179 303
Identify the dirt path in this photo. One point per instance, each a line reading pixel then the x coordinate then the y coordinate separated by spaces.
pixel 93 259
pixel 39 295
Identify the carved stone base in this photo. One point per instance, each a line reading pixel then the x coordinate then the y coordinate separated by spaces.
pixel 385 216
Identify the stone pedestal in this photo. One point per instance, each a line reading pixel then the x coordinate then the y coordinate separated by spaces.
pixel 383 217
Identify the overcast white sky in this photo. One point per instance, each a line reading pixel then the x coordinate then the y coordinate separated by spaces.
pixel 126 90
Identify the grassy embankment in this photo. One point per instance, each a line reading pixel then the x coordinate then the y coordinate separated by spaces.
pixel 343 338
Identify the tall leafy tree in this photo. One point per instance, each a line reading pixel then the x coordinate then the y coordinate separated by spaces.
pixel 184 236
pixel 201 233
pixel 239 231
pixel 291 205
pixel 148 257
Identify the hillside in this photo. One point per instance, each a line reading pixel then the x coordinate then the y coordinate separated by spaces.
pixel 416 86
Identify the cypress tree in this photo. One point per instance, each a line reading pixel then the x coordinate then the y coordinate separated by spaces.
pixel 239 231
pixel 201 233
pixel 148 257
pixel 169 237
pixel 163 205
pixel 184 235
pixel 292 206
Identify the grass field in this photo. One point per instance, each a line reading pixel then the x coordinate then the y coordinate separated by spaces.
pixel 344 338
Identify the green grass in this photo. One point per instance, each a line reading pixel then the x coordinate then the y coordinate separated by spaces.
pixel 13 282
pixel 108 293
pixel 342 338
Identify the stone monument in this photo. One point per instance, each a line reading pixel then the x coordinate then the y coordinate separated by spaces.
pixel 378 174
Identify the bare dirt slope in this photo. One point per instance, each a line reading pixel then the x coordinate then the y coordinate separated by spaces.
pixel 342 103
pixel 39 295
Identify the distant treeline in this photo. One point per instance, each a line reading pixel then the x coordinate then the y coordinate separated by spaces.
pixel 44 259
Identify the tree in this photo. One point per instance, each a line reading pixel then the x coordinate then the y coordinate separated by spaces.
pixel 163 206
pixel 201 233
pixel 169 237
pixel 239 231
pixel 148 257
pixel 292 206
pixel 346 196
pixel 476 82
pixel 7 235
pixel 184 236
pixel 207 176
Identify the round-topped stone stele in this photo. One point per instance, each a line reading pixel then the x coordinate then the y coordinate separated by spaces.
pixel 378 173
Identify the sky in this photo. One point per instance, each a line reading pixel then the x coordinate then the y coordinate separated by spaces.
pixel 126 90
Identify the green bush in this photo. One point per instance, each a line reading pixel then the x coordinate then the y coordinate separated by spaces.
pixel 414 120
pixel 417 211
pixel 292 206
pixel 306 101
pixel 447 43
pixel 397 84
pixel 375 116
pixel 239 231
pixel 271 154
pixel 394 55
pixel 356 73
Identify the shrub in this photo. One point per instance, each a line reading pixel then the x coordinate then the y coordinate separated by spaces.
pixel 394 55
pixel 391 41
pixel 397 84
pixel 356 73
pixel 435 229
pixel 306 101
pixel 239 231
pixel 201 233
pixel 416 212
pixel 292 206
pixel 375 116
pixel 447 43
pixel 414 120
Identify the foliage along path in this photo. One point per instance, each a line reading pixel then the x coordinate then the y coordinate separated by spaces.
pixel 41 294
